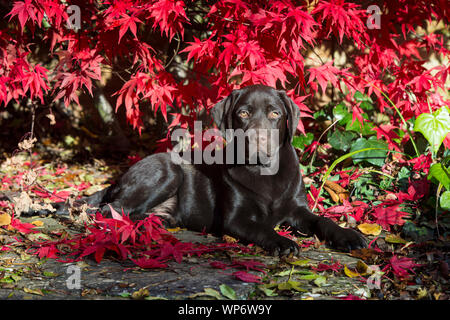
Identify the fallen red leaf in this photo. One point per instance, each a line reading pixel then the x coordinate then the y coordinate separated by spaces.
pixel 246 277
pixel 335 267
pixel 149 263
pixel 21 226
pixel 402 266
pixel 387 216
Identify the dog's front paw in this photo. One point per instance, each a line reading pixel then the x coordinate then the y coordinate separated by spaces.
pixel 280 246
pixel 346 239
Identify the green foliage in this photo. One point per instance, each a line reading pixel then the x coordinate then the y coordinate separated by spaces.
pixel 434 127
pixel 376 156
pixel 445 200
pixel 352 135
pixel 227 292
pixel 340 113
pixel 304 140
pixel 362 188
pixel 440 174
pixel 342 140
pixel 366 101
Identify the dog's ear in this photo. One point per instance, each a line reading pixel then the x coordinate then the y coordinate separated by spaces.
pixel 293 113
pixel 222 111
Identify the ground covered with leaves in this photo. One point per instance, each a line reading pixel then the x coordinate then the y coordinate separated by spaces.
pixel 407 258
pixel 371 81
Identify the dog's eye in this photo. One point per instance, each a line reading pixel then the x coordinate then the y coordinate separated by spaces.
pixel 244 114
pixel 274 115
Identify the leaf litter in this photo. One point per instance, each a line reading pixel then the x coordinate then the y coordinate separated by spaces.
pixel 408 269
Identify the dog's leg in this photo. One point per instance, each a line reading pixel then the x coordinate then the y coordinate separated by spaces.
pixel 261 234
pixel 303 220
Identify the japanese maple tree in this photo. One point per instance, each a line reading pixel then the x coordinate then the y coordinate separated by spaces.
pixel 179 58
pixel 221 46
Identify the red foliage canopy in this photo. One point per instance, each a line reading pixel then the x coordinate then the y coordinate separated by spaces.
pixel 220 46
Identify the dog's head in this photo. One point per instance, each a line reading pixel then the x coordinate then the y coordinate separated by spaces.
pixel 268 117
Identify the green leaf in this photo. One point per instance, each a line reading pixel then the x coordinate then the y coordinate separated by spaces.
pixel 341 140
pixel 321 114
pixel 213 293
pixel 341 113
pixel 290 285
pixel 125 294
pixel 299 262
pixel 37 236
pixel 267 291
pixel 10 278
pixel 375 156
pixel 445 200
pixel 404 173
pixel 434 127
pixel 364 129
pixel 207 292
pixel 359 96
pixel 227 292
pixel 289 272
pixel 50 274
pixel 366 101
pixel 301 141
pixel 312 276
pixel 441 174
pixel 320 281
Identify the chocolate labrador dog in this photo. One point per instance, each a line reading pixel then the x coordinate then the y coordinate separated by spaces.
pixel 236 199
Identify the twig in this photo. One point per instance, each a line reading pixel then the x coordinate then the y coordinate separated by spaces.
pixel 436 208
pixel 175 53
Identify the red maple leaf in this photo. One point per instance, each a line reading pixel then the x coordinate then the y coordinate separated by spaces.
pixel 422 162
pixel 127 22
pixel 219 265
pixel 249 265
pixel 342 18
pixel 103 242
pixel 48 252
pixel 388 216
pixel 125 227
pixel 402 266
pixel 176 250
pixel 312 198
pixel 36 82
pixel 323 74
pixel 22 226
pixel 169 15
pixel 152 230
pixel 202 51
pixel 246 277
pixel 351 297
pixel 387 131
pixel 335 267
pixel 149 263
pixel 25 10
pixel 75 71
